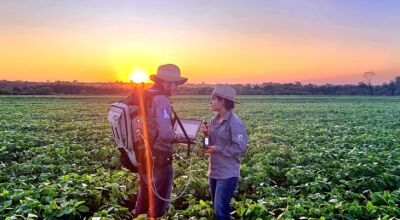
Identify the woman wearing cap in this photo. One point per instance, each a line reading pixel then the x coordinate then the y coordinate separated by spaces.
pixel 228 142
pixel 159 115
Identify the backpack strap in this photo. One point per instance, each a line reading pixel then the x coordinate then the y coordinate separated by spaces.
pixel 130 100
pixel 149 94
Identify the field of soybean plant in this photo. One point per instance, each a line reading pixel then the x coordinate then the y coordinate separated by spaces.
pixel 310 157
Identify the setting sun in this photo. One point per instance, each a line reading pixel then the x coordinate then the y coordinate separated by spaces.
pixel 139 76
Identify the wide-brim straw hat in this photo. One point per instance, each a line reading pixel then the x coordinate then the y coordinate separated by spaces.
pixel 169 73
pixel 225 91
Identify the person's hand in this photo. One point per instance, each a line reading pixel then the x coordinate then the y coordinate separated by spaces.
pixel 210 149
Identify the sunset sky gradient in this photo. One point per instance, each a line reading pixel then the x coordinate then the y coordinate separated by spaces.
pixel 309 41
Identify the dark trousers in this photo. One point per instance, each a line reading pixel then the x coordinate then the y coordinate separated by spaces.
pixel 163 178
pixel 221 194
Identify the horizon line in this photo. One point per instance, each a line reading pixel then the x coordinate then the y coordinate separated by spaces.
pixel 193 83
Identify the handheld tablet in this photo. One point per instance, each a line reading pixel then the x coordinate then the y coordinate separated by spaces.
pixel 191 127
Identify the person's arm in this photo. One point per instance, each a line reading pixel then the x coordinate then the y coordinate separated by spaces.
pixel 239 142
pixel 163 112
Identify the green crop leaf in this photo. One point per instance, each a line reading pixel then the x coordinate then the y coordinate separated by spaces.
pixel 83 208
pixel 30 215
pixel 314 157
pixel 202 203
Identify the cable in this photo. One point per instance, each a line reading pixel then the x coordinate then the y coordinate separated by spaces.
pixel 182 191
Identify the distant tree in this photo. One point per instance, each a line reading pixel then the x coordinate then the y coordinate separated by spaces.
pixel 16 90
pixel 45 90
pixel 204 91
pixel 396 85
pixel 4 91
pixel 392 88
pixel 368 78
pixel 266 88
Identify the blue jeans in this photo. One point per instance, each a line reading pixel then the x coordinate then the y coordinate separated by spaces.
pixel 221 194
pixel 163 178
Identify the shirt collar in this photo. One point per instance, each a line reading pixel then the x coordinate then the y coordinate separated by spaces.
pixel 159 87
pixel 227 115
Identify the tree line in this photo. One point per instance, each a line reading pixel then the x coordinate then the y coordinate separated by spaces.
pixel 391 88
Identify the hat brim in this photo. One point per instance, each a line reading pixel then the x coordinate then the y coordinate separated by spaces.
pixel 221 96
pixel 179 81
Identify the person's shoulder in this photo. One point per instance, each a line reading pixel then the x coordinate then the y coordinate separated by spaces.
pixel 161 99
pixel 236 120
pixel 155 94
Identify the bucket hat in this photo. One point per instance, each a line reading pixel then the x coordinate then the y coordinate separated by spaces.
pixel 225 91
pixel 169 73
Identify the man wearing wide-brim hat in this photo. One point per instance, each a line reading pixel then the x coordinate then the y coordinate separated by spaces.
pixel 169 73
pixel 159 115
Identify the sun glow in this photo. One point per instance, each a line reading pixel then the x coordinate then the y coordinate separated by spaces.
pixel 139 76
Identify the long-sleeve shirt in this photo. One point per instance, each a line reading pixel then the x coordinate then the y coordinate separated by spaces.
pixel 159 120
pixel 230 140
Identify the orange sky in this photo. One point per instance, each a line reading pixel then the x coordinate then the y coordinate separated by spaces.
pixel 210 45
